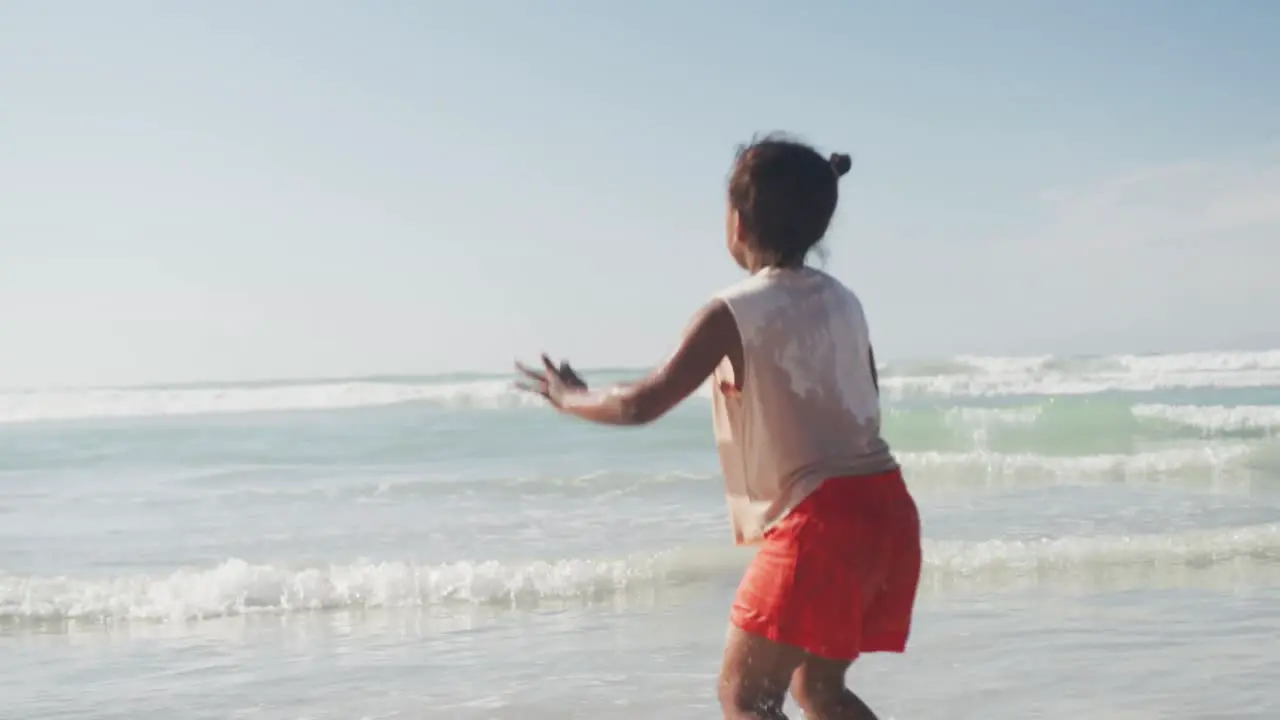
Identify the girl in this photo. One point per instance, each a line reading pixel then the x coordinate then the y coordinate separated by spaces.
pixel 797 421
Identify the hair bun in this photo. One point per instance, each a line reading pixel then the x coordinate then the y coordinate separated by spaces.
pixel 841 163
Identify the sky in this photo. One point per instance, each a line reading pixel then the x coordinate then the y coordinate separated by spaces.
pixel 313 188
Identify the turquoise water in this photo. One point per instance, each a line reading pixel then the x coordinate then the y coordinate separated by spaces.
pixel 1102 540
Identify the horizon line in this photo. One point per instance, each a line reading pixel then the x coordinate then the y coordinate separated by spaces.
pixel 394 377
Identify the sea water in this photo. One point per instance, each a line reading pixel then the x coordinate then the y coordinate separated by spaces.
pixel 1102 541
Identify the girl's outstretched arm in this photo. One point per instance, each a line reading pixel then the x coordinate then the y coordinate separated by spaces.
pixel 711 336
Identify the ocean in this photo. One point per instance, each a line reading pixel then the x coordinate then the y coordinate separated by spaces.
pixel 1102 541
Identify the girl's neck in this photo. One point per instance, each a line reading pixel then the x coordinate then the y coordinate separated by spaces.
pixel 755 269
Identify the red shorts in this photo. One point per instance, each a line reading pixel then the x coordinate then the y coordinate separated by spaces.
pixel 837 576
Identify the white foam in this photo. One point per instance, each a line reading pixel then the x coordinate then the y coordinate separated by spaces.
pixel 968 376
pixel 1042 375
pixel 934 466
pixel 1005 365
pixel 1203 547
pixel 1215 419
pixel 1175 363
pixel 236 587
pixel 1059 383
pixel 987 417
pixel 30 406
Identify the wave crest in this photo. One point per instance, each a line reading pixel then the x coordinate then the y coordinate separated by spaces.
pixel 237 587
pixel 965 376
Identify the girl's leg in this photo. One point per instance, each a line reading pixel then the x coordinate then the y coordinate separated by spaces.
pixel 755 676
pixel 757 673
pixel 818 686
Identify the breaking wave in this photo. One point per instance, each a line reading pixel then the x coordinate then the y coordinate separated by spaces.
pixel 237 587
pixel 964 377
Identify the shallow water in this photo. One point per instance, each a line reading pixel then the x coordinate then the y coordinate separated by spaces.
pixel 1102 540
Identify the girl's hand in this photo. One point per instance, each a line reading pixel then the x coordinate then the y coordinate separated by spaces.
pixel 552 383
pixel 711 337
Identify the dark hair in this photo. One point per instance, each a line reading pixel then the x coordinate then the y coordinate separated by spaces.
pixel 785 194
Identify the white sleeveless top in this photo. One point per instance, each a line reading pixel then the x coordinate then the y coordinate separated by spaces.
pixel 808 409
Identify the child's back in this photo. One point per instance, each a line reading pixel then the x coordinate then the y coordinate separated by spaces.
pixel 807 407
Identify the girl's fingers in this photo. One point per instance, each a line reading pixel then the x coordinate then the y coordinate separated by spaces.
pixel 551 366
pixel 530 372
pixel 567 371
